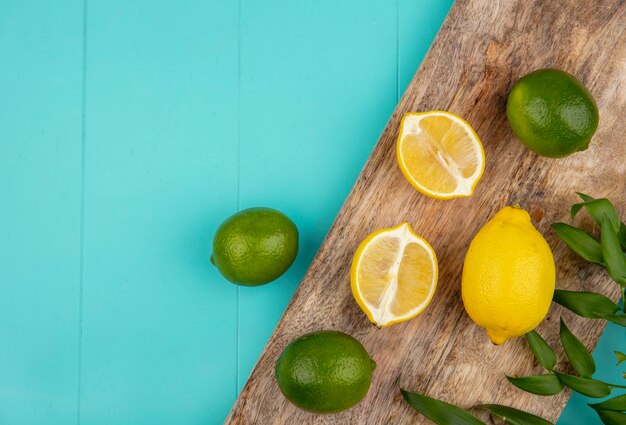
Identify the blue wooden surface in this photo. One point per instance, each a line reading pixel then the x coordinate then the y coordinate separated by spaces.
pixel 128 131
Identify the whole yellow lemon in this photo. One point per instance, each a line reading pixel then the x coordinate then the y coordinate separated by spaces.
pixel 508 276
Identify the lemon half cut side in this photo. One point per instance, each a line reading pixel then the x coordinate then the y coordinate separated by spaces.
pixel 440 154
pixel 394 275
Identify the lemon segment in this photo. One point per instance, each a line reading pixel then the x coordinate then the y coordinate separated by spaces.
pixel 440 154
pixel 394 275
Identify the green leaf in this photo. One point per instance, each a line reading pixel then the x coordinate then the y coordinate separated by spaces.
pixel 612 252
pixel 539 384
pixel 585 386
pixel 618 319
pixel 438 411
pixel 597 208
pixel 585 197
pixel 579 357
pixel 620 357
pixel 611 418
pixel 586 304
pixel 513 416
pixel 581 242
pixel 542 351
pixel 617 404
pixel 622 235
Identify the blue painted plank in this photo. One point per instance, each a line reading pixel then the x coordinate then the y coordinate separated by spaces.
pixel 40 192
pixel 418 24
pixel 159 324
pixel 318 84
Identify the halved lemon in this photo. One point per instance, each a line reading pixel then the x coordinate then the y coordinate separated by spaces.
pixel 394 275
pixel 440 154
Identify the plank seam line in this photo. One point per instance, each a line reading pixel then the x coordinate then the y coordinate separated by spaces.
pixel 83 144
pixel 397 51
pixel 237 312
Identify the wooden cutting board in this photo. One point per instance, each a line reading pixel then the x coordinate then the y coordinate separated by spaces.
pixel 483 47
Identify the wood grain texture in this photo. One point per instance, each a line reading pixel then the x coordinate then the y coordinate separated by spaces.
pixel 483 47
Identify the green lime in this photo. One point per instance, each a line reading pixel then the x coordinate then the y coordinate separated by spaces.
pixel 552 113
pixel 324 372
pixel 255 246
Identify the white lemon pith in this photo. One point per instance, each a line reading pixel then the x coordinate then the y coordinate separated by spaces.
pixel 440 154
pixel 394 275
pixel 508 276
